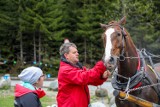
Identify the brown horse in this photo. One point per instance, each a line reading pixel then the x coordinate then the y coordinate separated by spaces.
pixel 131 72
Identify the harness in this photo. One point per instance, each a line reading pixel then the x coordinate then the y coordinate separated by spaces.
pixel 132 82
pixel 136 81
pixel 140 79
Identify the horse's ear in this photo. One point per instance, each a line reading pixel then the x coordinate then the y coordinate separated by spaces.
pixel 103 26
pixel 122 21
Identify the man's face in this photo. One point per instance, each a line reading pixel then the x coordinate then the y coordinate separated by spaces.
pixel 72 56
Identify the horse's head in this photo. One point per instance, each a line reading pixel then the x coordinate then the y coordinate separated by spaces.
pixel 114 42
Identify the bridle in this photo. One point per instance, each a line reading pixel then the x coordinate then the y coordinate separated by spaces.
pixel 121 57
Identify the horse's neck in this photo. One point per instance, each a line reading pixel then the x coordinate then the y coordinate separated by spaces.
pixel 128 67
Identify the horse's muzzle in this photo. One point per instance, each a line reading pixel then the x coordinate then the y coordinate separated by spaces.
pixel 112 62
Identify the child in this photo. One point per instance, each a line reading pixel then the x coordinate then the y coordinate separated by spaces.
pixel 28 93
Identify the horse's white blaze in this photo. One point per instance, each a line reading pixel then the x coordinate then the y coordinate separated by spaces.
pixel 108 44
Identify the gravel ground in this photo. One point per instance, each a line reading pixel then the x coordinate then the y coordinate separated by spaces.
pixel 105 100
pixel 94 98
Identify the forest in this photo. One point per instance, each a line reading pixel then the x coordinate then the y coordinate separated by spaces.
pixel 33 30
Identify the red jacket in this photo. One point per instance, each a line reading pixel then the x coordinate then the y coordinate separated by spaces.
pixel 73 84
pixel 25 97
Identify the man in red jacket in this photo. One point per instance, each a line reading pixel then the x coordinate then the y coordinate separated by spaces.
pixel 73 79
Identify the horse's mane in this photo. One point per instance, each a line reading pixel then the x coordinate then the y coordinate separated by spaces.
pixel 113 22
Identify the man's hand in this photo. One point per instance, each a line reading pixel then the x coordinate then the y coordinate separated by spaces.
pixel 106 74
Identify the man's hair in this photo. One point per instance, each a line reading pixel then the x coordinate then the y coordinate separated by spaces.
pixel 65 48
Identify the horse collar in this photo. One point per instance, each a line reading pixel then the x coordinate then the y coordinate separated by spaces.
pixel 134 80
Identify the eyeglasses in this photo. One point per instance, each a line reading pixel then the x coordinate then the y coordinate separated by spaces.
pixel 42 75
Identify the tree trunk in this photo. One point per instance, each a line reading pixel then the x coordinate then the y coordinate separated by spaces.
pixel 85 53
pixel 91 55
pixel 39 47
pixel 34 45
pixel 21 46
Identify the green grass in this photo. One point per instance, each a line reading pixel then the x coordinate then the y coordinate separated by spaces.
pixel 7 100
pixel 46 101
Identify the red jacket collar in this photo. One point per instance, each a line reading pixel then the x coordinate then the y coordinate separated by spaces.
pixel 20 90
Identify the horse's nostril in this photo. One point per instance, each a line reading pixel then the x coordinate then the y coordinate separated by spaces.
pixel 111 61
pixel 121 58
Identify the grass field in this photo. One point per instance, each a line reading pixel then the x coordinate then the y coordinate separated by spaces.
pixel 7 99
